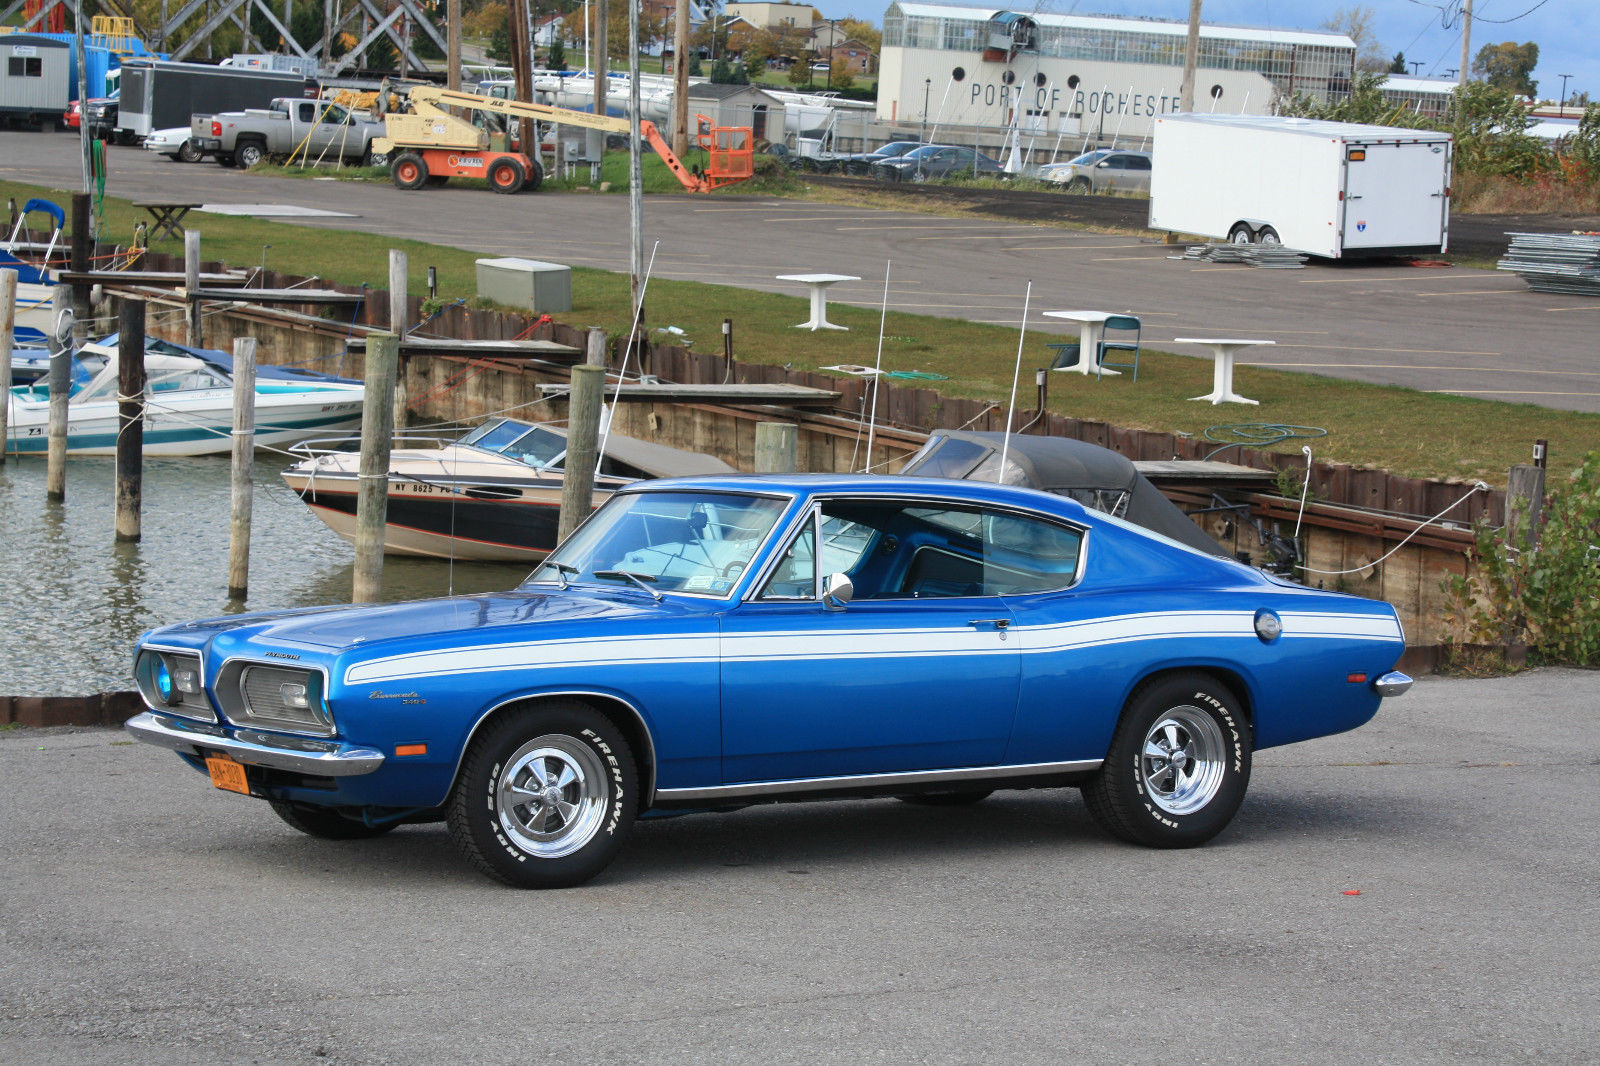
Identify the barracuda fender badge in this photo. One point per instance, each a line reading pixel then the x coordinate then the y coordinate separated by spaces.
pixel 403 697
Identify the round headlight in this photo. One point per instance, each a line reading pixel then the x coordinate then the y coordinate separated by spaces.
pixel 1268 626
pixel 163 680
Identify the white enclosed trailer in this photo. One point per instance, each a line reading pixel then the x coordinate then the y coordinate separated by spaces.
pixel 1333 189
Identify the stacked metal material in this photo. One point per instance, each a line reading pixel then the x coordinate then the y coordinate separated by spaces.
pixel 1268 256
pixel 1556 262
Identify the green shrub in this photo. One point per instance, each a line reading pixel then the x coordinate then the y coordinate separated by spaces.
pixel 1546 595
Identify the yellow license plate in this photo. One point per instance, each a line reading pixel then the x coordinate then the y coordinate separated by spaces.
pixel 225 773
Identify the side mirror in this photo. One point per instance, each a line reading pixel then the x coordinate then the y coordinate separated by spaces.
pixel 836 591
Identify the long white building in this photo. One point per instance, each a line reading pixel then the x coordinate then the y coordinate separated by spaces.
pixel 1089 75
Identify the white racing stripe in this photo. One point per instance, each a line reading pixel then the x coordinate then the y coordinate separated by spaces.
pixel 896 643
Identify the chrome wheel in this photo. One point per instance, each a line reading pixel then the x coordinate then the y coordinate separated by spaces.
pixel 1183 761
pixel 552 795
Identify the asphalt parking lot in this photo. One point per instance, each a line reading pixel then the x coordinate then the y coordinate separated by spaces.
pixel 1456 330
pixel 150 918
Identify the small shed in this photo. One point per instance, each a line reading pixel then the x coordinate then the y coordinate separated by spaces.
pixel 35 77
pixel 739 105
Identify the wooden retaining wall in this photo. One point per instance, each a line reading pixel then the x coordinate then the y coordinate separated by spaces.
pixel 1357 514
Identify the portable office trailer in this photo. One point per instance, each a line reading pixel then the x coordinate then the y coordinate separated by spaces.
pixel 36 78
pixel 160 94
pixel 1332 189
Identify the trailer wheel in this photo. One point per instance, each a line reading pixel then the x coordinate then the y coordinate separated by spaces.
pixel 1240 234
pixel 506 176
pixel 1268 235
pixel 408 171
pixel 535 177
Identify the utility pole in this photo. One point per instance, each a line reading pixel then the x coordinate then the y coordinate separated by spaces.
pixel 1191 58
pixel 522 74
pixel 1416 65
pixel 596 139
pixel 1466 42
pixel 1563 78
pixel 453 28
pixel 680 80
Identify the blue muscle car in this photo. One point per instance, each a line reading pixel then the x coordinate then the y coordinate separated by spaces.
pixel 713 642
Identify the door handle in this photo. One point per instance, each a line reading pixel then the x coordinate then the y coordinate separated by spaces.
pixel 998 623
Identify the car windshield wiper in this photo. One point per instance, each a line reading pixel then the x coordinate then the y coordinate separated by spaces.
pixel 637 579
pixel 563 570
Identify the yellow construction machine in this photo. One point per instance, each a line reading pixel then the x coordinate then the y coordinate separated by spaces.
pixel 428 142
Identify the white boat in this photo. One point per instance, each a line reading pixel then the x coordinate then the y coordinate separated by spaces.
pixel 188 406
pixel 492 495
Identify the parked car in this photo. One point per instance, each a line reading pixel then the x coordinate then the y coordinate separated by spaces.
pixel 1101 171
pixel 721 641
pixel 934 161
pixel 174 143
pixel 861 162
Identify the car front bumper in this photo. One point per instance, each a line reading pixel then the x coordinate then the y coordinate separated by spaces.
pixel 300 755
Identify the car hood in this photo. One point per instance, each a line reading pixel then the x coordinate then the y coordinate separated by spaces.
pixel 451 621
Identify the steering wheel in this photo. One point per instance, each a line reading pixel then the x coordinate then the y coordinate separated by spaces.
pixel 733 568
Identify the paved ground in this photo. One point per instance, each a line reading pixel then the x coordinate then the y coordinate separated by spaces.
pixel 150 918
pixel 1455 330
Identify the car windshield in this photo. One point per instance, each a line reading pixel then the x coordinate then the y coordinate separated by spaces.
pixel 925 151
pixel 690 542
pixel 1090 158
pixel 894 148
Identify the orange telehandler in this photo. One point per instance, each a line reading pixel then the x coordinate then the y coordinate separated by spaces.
pixel 428 142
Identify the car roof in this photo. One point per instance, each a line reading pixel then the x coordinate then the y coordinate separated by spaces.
pixel 869 484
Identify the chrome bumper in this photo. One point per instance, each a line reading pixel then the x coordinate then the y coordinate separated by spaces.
pixel 299 755
pixel 1394 683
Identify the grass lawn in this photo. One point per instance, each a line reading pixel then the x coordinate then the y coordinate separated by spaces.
pixel 1407 432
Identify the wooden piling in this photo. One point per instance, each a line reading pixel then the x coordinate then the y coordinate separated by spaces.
pixel 1525 484
pixel 399 312
pixel 60 385
pixel 8 322
pixel 377 434
pixel 244 459
pixel 594 352
pixel 583 443
pixel 776 443
pixel 191 282
pixel 79 258
pixel 130 419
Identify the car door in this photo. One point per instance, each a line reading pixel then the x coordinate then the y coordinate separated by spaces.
pixel 917 671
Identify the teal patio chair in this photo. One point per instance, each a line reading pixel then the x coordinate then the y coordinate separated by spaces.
pixel 1120 341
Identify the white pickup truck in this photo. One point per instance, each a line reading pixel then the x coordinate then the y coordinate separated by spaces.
pixel 312 128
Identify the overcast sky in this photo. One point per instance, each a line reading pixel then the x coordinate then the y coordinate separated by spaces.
pixel 1427 31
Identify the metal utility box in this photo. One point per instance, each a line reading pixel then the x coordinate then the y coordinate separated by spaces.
pixel 526 283
pixel 1333 189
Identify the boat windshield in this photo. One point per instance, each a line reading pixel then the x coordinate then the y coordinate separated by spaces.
pixel 690 542
pixel 533 445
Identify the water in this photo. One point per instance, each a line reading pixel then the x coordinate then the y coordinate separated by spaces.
pixel 73 601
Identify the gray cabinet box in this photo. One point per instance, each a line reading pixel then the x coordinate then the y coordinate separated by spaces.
pixel 526 283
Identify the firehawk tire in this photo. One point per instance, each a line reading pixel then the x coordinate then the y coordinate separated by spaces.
pixel 408 171
pixel 1178 765
pixel 546 797
pixel 506 176
pixel 326 823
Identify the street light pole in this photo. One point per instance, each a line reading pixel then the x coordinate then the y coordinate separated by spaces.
pixel 927 93
pixel 1563 78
